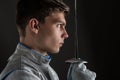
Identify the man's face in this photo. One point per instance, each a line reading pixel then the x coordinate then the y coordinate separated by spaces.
pixel 52 33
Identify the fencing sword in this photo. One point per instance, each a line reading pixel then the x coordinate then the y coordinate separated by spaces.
pixel 77 69
pixel 76 58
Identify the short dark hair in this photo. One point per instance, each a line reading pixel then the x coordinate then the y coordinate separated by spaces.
pixel 39 9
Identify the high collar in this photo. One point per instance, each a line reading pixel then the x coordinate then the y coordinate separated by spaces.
pixel 32 54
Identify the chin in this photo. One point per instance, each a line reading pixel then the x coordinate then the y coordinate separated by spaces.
pixel 55 51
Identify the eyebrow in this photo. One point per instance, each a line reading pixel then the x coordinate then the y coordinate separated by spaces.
pixel 61 22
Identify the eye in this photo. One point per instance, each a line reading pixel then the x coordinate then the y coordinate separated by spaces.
pixel 59 25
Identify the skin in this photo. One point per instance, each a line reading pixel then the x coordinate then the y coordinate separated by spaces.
pixel 48 36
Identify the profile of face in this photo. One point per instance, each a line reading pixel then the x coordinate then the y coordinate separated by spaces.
pixel 52 33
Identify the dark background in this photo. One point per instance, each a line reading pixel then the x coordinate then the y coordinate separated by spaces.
pixel 96 31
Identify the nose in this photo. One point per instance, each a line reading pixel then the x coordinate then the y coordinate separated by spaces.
pixel 65 34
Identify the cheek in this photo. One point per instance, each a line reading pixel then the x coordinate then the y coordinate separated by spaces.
pixel 53 39
pixel 51 36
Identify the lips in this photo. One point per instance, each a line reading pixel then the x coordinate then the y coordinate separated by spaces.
pixel 61 44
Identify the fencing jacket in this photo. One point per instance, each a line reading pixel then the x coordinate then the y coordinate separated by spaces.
pixel 28 64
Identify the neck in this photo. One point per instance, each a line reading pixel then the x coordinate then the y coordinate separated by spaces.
pixel 29 43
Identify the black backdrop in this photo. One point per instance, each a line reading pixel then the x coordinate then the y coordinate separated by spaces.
pixel 97 37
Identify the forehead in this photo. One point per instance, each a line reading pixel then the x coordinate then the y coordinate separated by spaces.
pixel 56 17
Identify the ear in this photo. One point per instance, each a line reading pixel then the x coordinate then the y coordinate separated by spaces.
pixel 33 25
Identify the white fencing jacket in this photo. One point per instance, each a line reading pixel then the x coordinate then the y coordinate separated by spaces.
pixel 28 64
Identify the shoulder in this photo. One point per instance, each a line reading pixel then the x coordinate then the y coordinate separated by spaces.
pixel 21 68
pixel 22 75
pixel 23 71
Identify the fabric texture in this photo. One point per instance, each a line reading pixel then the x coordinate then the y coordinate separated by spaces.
pixel 28 64
pixel 79 71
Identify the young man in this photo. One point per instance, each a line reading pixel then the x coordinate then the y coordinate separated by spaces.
pixel 41 26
